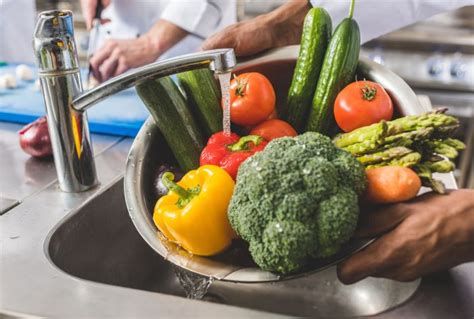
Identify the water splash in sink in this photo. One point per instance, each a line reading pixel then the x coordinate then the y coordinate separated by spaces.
pixel 194 285
pixel 224 80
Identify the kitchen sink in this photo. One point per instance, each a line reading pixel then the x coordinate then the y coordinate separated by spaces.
pixel 98 242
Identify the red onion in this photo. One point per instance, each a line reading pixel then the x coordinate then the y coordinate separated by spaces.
pixel 34 138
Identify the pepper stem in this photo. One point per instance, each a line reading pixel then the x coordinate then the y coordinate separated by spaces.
pixel 168 180
pixel 242 142
pixel 351 9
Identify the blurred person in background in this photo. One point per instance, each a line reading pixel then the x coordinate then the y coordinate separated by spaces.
pixel 427 234
pixel 17 22
pixel 135 33
pixel 283 25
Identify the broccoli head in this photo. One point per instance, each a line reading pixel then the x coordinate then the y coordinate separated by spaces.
pixel 296 200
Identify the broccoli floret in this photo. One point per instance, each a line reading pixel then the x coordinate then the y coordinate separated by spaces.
pixel 285 246
pixel 296 200
pixel 351 172
pixel 336 221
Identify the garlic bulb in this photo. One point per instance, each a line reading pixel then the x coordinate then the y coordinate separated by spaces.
pixel 7 81
pixel 24 72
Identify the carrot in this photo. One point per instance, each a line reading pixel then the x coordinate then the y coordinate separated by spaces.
pixel 391 184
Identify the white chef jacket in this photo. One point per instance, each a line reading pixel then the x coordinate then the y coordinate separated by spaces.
pixel 17 20
pixel 378 17
pixel 201 18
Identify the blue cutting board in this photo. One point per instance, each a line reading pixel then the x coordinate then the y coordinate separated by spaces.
pixel 122 114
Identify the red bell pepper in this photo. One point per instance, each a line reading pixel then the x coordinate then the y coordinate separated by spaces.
pixel 229 151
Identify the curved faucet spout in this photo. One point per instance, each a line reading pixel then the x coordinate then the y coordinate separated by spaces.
pixel 221 61
pixel 65 101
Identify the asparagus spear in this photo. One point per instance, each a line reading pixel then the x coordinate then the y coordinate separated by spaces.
pixel 427 179
pixel 372 135
pixel 407 160
pixel 384 155
pixel 380 132
pixel 439 147
pixel 457 144
pixel 443 131
pixel 435 119
pixel 443 166
pixel 420 134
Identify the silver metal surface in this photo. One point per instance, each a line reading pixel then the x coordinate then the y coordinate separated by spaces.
pixel 98 256
pixel 57 60
pixel 149 151
pixel 60 79
pixel 222 60
pixel 21 175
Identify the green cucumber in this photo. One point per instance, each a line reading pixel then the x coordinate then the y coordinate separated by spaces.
pixel 168 107
pixel 338 70
pixel 204 98
pixel 317 30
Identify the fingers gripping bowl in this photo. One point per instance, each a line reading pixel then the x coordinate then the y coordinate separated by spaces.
pixel 149 151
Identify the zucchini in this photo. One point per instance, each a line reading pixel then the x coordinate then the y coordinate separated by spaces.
pixel 317 30
pixel 204 98
pixel 168 107
pixel 338 70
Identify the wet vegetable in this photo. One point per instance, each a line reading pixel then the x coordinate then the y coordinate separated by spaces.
pixel 34 138
pixel 194 212
pixel 229 151
pixel 159 187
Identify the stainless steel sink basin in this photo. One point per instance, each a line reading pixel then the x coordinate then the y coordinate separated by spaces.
pixel 98 242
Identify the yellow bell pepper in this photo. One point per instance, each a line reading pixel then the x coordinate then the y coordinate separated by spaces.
pixel 194 212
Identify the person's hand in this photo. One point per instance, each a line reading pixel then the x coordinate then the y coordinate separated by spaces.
pixel 88 10
pixel 276 29
pixel 117 56
pixel 431 233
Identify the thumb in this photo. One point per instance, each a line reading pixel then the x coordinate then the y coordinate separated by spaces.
pixel 371 261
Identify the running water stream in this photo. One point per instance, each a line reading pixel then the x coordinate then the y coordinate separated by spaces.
pixel 194 285
pixel 224 80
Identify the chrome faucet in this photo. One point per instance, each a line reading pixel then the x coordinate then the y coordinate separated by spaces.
pixel 65 101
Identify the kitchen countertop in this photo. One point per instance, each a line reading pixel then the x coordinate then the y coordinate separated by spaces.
pixel 32 285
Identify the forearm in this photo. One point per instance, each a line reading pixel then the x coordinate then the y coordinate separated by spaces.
pixel 289 16
pixel 164 35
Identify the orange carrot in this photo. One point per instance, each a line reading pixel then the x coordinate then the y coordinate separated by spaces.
pixel 391 184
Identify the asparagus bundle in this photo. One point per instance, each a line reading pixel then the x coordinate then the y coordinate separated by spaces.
pixel 422 142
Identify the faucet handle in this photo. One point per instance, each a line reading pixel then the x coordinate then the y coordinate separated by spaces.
pixel 53 42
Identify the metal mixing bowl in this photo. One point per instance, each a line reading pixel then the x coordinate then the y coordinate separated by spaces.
pixel 149 151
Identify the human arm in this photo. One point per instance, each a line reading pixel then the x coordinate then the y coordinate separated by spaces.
pixel 177 20
pixel 430 233
pixel 117 56
pixel 278 28
pixel 283 26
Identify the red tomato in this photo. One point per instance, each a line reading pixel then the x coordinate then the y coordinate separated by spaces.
pixel 360 104
pixel 273 128
pixel 252 99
